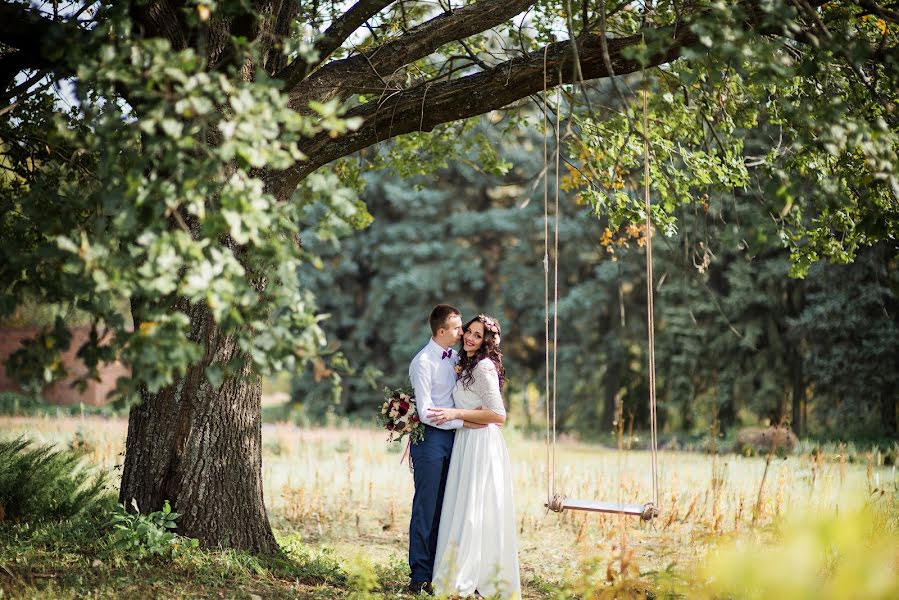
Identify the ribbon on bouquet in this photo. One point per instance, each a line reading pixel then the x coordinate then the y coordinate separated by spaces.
pixel 406 452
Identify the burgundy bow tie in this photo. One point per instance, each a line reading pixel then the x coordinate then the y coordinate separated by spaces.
pixel 446 353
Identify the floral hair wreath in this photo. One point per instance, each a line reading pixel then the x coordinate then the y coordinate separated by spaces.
pixel 491 325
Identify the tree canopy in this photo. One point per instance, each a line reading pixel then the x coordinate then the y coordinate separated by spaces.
pixel 174 158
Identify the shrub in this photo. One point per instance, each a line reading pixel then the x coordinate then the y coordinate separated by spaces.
pixel 39 483
pixel 811 556
pixel 14 404
pixel 147 535
pixel 756 440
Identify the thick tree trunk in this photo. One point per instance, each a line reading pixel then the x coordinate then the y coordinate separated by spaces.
pixel 197 445
pixel 200 447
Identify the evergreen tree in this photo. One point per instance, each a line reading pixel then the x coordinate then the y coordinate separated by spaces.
pixel 850 331
pixel 735 345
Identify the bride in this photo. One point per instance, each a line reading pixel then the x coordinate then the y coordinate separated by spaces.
pixel 477 546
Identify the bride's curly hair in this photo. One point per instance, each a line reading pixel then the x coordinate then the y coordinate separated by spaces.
pixel 489 349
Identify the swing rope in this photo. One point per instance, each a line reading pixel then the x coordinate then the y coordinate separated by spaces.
pixel 556 267
pixel 650 309
pixel 558 502
pixel 550 448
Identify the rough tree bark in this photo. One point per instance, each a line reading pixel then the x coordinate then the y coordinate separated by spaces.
pixel 200 447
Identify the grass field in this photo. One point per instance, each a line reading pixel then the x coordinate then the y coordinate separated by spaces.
pixel 345 489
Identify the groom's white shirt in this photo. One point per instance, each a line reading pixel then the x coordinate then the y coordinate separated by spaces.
pixel 433 379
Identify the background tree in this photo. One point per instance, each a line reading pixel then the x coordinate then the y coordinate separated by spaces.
pixel 738 341
pixel 848 326
pixel 163 153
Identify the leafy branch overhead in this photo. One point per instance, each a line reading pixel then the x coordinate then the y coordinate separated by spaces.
pixel 180 148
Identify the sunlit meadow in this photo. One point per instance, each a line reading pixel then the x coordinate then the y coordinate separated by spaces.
pixel 346 488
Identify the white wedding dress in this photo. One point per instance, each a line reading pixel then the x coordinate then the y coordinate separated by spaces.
pixel 477 545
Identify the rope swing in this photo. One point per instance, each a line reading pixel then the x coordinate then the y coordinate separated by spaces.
pixel 555 501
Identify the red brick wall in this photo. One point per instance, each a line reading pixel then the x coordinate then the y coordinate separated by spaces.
pixel 61 392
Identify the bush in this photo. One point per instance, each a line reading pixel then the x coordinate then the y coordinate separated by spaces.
pixel 38 483
pixel 14 404
pixel 810 556
pixel 757 440
pixel 140 535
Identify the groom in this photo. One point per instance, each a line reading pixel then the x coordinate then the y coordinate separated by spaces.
pixel 433 376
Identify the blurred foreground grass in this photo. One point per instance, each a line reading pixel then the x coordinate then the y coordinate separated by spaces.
pixel 818 528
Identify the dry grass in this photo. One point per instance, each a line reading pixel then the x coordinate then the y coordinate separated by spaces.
pixel 346 489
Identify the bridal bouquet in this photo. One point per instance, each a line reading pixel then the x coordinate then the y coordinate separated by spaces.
pixel 399 417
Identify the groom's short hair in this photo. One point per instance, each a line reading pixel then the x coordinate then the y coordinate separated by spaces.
pixel 440 314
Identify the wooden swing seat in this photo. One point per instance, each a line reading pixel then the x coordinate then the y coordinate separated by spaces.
pixel 558 502
pixel 645 511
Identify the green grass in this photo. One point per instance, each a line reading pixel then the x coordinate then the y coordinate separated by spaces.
pixel 59 561
pixel 339 502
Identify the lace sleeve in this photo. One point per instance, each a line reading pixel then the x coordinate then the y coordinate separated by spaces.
pixel 486 386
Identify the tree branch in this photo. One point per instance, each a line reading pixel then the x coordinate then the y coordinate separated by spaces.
pixel 428 105
pixel 11 65
pixel 881 11
pixel 334 37
pixel 40 42
pixel 21 88
pixel 365 71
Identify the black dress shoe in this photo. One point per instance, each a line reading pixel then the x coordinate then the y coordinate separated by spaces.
pixel 421 587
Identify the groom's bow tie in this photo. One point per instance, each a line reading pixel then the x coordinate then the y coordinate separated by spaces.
pixel 446 353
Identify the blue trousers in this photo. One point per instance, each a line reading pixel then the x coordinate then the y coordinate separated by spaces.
pixel 430 459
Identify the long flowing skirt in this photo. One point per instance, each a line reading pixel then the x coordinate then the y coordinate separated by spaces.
pixel 477 545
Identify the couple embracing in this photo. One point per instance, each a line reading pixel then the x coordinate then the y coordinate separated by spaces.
pixel 462 533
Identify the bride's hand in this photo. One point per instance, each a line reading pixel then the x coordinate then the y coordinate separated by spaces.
pixel 442 415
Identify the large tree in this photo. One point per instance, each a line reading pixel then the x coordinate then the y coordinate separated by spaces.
pixel 161 158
